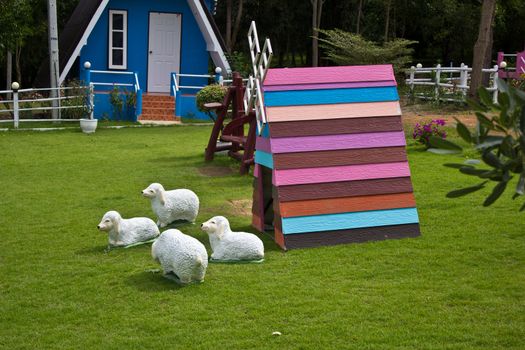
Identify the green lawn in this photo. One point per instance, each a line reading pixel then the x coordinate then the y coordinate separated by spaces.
pixel 461 285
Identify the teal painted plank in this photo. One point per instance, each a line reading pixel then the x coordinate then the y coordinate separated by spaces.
pixel 345 221
pixel 264 158
pixel 330 96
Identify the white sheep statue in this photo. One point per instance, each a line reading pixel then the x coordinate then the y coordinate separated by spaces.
pixel 180 255
pixel 169 206
pixel 124 232
pixel 232 246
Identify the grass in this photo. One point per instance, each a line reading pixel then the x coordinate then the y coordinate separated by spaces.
pixel 458 286
pixel 64 124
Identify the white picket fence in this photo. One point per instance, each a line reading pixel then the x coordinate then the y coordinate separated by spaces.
pixel 11 98
pixel 448 82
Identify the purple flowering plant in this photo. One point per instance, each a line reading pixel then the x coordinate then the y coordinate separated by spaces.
pixel 422 132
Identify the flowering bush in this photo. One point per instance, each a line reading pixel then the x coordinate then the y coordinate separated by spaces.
pixel 422 132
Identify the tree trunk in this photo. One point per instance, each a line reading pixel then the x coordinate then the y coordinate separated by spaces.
pixel 387 21
pixel 317 11
pixel 482 45
pixel 228 36
pixel 18 52
pixel 9 72
pixel 237 24
pixel 315 33
pixel 487 62
pixel 359 12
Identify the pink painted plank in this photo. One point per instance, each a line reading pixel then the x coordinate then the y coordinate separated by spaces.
pixel 340 173
pixel 333 142
pixel 320 75
pixel 333 111
pixel 329 86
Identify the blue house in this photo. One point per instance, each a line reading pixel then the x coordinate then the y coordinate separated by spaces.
pixel 135 46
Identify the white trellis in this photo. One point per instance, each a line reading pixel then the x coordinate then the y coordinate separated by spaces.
pixel 261 60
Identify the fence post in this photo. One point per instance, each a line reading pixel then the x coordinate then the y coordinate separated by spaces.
pixel 218 76
pixel 138 102
pixel 438 79
pixel 16 113
pixel 411 79
pixel 463 79
pixel 494 76
pixel 91 101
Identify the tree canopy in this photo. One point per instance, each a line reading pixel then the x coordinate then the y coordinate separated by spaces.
pixel 445 30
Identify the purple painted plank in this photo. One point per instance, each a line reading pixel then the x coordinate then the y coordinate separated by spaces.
pixel 329 86
pixel 321 75
pixel 332 142
pixel 340 173
pixel 263 144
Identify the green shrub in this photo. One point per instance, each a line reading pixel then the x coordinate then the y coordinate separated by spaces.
pixel 344 48
pixel 210 93
pixel 499 137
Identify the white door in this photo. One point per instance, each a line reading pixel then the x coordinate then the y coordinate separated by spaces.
pixel 164 50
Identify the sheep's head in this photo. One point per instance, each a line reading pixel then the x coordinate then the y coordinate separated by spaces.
pixel 155 190
pixel 217 225
pixel 110 221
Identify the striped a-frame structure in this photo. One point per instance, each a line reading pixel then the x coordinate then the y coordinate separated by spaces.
pixel 331 164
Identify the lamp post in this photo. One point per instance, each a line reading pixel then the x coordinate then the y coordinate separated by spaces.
pixel 16 113
pixel 53 57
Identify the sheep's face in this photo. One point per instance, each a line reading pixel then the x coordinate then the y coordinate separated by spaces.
pixel 109 221
pixel 153 191
pixel 216 225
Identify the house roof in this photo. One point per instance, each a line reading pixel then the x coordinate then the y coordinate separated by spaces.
pixel 80 24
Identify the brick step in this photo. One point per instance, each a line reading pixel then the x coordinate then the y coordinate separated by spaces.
pixel 158 117
pixel 158 112
pixel 148 104
pixel 159 98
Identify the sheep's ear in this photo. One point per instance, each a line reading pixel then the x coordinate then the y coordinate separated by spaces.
pixel 116 225
pixel 162 198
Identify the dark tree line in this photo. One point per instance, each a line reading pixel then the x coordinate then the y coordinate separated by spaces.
pixel 446 30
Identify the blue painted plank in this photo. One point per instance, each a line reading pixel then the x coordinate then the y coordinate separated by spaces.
pixel 331 96
pixel 345 221
pixel 264 158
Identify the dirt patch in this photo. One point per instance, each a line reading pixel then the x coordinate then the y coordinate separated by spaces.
pixel 414 114
pixel 241 207
pixel 215 171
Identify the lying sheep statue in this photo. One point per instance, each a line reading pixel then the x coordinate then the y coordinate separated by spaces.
pixel 169 206
pixel 232 246
pixel 123 232
pixel 182 257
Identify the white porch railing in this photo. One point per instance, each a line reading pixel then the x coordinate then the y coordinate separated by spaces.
pixel 447 80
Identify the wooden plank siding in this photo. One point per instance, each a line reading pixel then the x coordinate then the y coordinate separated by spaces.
pixel 329 86
pixel 282 161
pixel 344 221
pixel 340 173
pixel 331 142
pixel 348 204
pixel 333 152
pixel 333 111
pixel 329 96
pixel 322 75
pixel 335 127
pixel 344 189
pixel 360 235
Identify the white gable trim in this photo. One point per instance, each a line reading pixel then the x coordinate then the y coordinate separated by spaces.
pixel 83 41
pixel 212 42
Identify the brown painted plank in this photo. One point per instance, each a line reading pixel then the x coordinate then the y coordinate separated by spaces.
pixel 344 189
pixel 282 161
pixel 335 127
pixel 316 239
pixel 257 209
pixel 347 204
